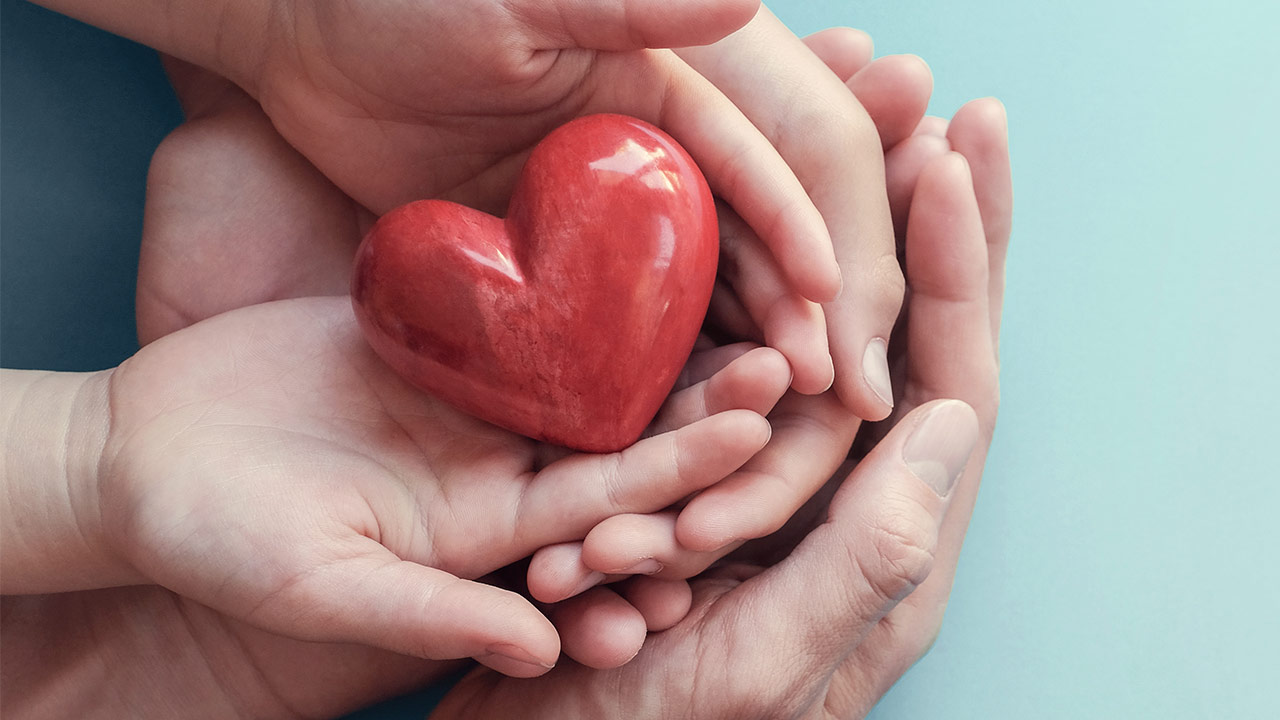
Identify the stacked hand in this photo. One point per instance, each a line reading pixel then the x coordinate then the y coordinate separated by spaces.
pixel 819 620
pixel 361 531
pixel 811 434
pixel 397 101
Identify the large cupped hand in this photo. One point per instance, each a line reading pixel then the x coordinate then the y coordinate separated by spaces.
pixel 821 618
pixel 398 101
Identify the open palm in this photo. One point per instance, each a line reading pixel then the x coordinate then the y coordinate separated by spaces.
pixel 265 462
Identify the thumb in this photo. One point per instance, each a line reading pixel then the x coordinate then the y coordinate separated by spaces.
pixel 880 538
pixel 631 24
pixel 374 598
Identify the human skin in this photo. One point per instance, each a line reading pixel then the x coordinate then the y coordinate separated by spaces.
pixel 63 651
pixel 208 182
pixel 449 99
pixel 822 628
pixel 267 464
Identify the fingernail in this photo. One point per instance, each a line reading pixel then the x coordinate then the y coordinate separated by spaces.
pixel 648 566
pixel 518 655
pixel 941 444
pixel 875 368
pixel 590 581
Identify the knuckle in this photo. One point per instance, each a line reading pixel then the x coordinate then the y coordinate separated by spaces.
pixel 613 475
pixel 887 284
pixel 904 540
pixel 816 110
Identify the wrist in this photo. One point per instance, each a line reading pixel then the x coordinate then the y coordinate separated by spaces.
pixel 55 430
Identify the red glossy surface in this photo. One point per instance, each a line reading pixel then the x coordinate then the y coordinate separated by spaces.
pixel 569 320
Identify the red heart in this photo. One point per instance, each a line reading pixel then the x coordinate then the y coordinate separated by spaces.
pixel 569 320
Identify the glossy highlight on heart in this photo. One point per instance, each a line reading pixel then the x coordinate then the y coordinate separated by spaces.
pixel 569 320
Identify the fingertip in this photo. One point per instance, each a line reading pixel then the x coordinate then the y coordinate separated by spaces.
pixel 832 283
pixel 748 430
pixel 600 629
pixel 933 126
pixel 797 328
pixel 943 174
pixel 514 661
pixel 988 109
pixel 895 91
pixel 859 398
pixel 844 50
pixel 815 378
pixel 818 276
pixel 557 572
pixel 763 433
pixel 941 439
pixel 772 371
pixel 528 645
pixel 910 69
pixel 756 381
pixel 663 603
pixel 704 529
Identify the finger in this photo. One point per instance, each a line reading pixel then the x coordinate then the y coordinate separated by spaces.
pixel 844 50
pixel 703 364
pixel 371 597
pixel 980 133
pixel 570 496
pixel 617 25
pixel 832 145
pixel 792 324
pixel 910 628
pixel 599 628
pixel 879 541
pixel 902 167
pixel 556 572
pixel 951 352
pixel 932 125
pixel 811 437
pixel 644 545
pixel 662 603
pixel 741 165
pixel 949 345
pixel 754 381
pixel 895 91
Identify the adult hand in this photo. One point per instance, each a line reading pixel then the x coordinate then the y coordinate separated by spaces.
pixel 834 141
pixel 812 434
pixel 146 652
pixel 823 629
pixel 301 243
pixel 401 101
pixel 206 194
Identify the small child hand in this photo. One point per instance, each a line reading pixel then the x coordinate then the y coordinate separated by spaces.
pixel 266 463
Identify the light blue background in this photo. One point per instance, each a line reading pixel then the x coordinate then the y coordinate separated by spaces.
pixel 1122 559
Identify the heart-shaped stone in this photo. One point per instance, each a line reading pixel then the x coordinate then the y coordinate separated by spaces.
pixel 568 321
